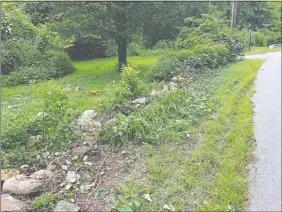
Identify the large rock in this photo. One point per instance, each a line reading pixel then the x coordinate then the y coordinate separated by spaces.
pixel 88 122
pixel 22 184
pixel 8 173
pixel 66 206
pixel 8 203
pixel 141 101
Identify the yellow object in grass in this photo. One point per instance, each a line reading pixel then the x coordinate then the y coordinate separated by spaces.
pixel 95 92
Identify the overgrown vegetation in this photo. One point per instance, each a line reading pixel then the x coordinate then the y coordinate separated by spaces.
pixel 205 145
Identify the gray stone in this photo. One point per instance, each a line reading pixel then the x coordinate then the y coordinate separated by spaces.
pixel 141 101
pixel 72 177
pixel 9 203
pixel 22 184
pixel 88 122
pixel 63 206
pixel 155 93
pixel 41 114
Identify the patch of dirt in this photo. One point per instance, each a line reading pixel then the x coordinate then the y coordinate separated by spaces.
pixel 101 172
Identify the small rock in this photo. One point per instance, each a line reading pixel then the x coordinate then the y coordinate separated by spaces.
pixel 172 86
pixel 88 163
pixel 85 143
pixel 141 101
pixel 13 106
pixel 123 152
pixel 64 167
pixel 63 206
pixel 68 186
pixel 155 93
pixel 68 162
pixel 77 89
pixel 80 150
pixel 8 173
pixel 8 203
pixel 74 158
pixel 85 158
pixel 72 177
pixel 177 79
pixel 38 157
pixel 57 153
pixel 24 166
pixel 42 114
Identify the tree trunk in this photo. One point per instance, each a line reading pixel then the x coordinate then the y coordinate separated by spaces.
pixel 122 44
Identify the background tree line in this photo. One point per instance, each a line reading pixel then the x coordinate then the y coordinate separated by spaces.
pixel 39 37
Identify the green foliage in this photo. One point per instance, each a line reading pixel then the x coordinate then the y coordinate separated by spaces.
pixel 30 52
pixel 265 38
pixel 185 61
pixel 136 49
pixel 46 200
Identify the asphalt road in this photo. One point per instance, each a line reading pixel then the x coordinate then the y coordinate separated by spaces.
pixel 265 174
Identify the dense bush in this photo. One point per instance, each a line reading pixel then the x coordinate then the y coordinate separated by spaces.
pixel 29 52
pixel 186 61
pixel 266 38
pixel 136 49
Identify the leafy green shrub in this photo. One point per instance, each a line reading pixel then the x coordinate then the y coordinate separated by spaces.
pixel 164 45
pixel 184 61
pixel 266 38
pixel 30 52
pixel 136 49
pixel 46 200
pixel 165 69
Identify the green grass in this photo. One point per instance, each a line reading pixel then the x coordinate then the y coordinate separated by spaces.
pixel 207 170
pixel 259 50
pixel 91 74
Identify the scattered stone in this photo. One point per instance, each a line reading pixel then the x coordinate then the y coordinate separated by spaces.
pixel 80 150
pixel 88 163
pixel 9 203
pixel 57 153
pixel 46 154
pixel 172 86
pixel 8 173
pixel 177 79
pixel 155 93
pixel 123 152
pixel 85 143
pixel 85 158
pixel 87 121
pixel 68 162
pixel 24 166
pixel 42 114
pixel 68 186
pixel 77 89
pixel 72 177
pixel 74 158
pixel 38 157
pixel 141 101
pixel 63 206
pixel 64 167
pixel 13 106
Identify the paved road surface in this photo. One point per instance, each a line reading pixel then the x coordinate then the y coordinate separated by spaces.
pixel 265 175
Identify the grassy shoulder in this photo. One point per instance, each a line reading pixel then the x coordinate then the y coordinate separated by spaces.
pixel 203 164
pixel 259 50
